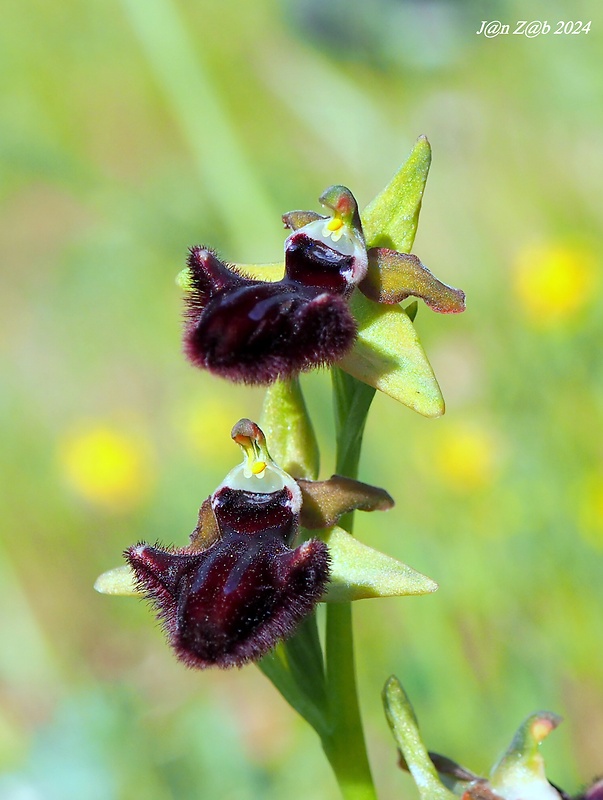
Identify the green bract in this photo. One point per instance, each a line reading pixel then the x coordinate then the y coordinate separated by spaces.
pixel 403 723
pixel 518 775
pixel 359 572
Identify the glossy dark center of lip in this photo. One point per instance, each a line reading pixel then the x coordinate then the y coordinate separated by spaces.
pixel 313 263
pixel 255 514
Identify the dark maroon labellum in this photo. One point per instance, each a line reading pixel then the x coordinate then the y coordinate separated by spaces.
pixel 255 513
pixel 314 263
pixel 231 603
pixel 256 332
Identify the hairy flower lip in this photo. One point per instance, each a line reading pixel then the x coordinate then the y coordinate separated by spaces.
pixel 229 601
pixel 256 331
pixel 241 584
pixel 231 604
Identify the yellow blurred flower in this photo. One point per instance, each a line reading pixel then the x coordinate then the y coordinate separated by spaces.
pixel 553 282
pixel 466 456
pixel 205 428
pixel 591 510
pixel 106 466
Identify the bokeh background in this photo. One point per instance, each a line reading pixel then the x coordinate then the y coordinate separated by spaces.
pixel 129 131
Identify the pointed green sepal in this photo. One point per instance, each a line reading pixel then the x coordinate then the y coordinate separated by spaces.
pixel 403 723
pixel 359 572
pixel 519 774
pixel 288 428
pixel 391 219
pixel 389 356
pixel 118 581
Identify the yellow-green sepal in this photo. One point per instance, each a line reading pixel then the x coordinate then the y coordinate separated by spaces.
pixel 118 581
pixel 262 272
pixel 388 355
pixel 358 572
pixel 391 219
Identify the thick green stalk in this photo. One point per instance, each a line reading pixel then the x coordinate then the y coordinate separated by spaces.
pixel 344 744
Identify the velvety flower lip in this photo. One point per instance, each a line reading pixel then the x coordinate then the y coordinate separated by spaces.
pixel 255 331
pixel 229 602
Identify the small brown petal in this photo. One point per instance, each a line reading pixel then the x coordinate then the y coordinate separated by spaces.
pixel 444 766
pixel 207 531
pixel 392 277
pixel 297 219
pixel 324 502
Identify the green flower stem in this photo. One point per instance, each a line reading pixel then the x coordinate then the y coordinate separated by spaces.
pixel 344 744
pixel 352 402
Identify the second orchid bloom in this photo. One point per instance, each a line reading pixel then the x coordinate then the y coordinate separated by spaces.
pixel 243 583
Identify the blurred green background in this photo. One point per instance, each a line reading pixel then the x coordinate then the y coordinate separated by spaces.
pixel 131 130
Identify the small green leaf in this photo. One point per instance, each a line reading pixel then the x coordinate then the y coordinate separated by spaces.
pixel 389 356
pixel 288 430
pixel 118 581
pixel 359 572
pixel 403 723
pixel 391 219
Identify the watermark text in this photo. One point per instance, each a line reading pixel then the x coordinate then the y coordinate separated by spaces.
pixel 531 28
